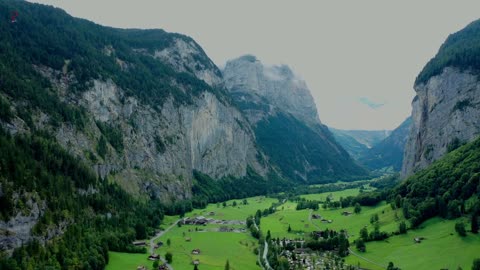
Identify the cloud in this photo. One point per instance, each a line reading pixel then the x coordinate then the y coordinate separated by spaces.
pixel 370 103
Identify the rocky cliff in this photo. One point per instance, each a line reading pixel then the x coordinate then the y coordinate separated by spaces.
pixel 284 117
pixel 447 105
pixel 144 109
pixel 444 114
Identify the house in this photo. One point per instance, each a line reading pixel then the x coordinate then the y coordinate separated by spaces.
pixel 200 220
pixel 315 216
pixel 346 213
pixel 196 262
pixel 196 251
pixel 211 213
pixel 188 239
pixel 141 267
pixel 139 243
pixel 154 257
pixel 418 240
pixel 160 243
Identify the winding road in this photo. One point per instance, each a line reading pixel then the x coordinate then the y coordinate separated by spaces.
pixel 158 235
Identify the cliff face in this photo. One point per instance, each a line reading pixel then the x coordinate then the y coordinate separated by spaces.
pixel 445 112
pixel 144 108
pixel 162 148
pixel 446 108
pixel 284 117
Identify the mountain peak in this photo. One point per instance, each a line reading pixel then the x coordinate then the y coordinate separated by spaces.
pixel 278 84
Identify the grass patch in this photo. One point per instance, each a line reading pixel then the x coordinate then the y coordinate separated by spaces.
pixel 442 248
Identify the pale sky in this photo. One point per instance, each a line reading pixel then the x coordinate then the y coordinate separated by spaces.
pixel 359 58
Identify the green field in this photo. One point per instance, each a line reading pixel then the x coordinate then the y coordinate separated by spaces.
pixel 216 248
pixel 335 195
pixel 355 222
pixel 125 261
pixel 239 212
pixel 442 248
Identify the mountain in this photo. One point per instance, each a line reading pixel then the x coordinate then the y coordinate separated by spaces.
pixel 358 141
pixel 446 107
pixel 94 117
pixel 283 115
pixel 389 152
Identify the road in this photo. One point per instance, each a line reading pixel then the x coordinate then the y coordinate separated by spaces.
pixel 158 235
pixel 265 253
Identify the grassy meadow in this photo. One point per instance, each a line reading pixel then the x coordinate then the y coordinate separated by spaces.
pixel 442 248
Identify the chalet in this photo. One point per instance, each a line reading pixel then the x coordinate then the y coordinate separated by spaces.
pixel 211 213
pixel 200 220
pixel 141 267
pixel 188 239
pixel 196 251
pixel 418 240
pixel 346 213
pixel 139 243
pixel 154 257
pixel 315 216
pixel 156 246
pixel 196 262
pixel 160 243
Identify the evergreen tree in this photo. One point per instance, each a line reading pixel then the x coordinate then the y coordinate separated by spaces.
pixel 169 257
pixel 460 228
pixel 402 227
pixel 474 222
pixel 227 265
pixel 476 264
pixel 357 208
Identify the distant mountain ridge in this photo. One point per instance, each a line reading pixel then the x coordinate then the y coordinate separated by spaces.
pixel 389 152
pixel 356 142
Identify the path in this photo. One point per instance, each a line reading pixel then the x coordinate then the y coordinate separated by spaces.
pixel 158 235
pixel 265 253
pixel 363 258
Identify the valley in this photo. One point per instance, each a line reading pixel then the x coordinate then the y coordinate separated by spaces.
pixel 132 148
pixel 231 239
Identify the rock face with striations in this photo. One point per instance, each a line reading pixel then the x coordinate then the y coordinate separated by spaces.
pixel 283 114
pixel 446 112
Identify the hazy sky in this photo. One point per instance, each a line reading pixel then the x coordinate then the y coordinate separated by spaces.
pixel 359 58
